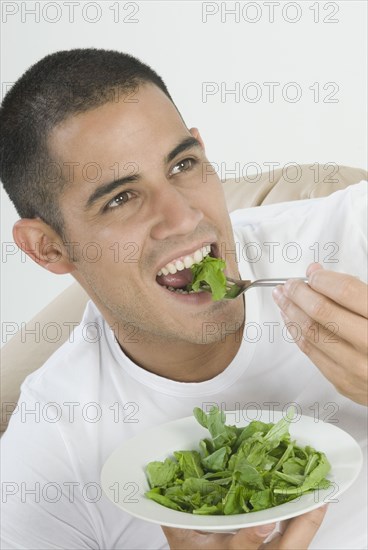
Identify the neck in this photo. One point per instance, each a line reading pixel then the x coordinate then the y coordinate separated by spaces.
pixel 185 362
pixel 176 359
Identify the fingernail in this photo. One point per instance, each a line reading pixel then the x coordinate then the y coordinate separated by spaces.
pixel 287 285
pixel 313 267
pixel 277 292
pixel 264 530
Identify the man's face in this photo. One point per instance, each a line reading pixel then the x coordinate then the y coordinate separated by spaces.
pixel 124 232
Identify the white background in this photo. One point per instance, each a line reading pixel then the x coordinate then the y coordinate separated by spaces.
pixel 313 44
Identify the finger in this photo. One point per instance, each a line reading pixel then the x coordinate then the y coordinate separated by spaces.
pixel 180 539
pixel 326 338
pixel 273 544
pixel 309 336
pixel 344 289
pixel 348 382
pixel 351 327
pixel 250 538
pixel 301 530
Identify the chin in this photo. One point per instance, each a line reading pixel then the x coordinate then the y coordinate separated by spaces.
pixel 216 327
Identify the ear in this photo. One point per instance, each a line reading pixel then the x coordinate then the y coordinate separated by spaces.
pixel 41 243
pixel 195 133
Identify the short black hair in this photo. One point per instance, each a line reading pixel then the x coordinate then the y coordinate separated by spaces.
pixel 58 86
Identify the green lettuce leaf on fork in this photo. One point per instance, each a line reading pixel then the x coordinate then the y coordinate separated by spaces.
pixel 209 275
pixel 237 470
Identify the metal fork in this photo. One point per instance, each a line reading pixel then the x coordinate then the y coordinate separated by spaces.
pixel 236 287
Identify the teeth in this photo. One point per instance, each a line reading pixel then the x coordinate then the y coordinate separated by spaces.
pixel 198 256
pixel 186 262
pixel 182 291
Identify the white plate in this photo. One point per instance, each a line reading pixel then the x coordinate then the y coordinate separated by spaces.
pixel 124 481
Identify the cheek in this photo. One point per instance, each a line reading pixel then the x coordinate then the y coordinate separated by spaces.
pixel 117 243
pixel 217 210
pixel 215 196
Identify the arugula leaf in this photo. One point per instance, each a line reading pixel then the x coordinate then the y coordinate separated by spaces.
pixel 247 475
pixel 160 474
pixel 205 488
pixel 208 274
pixel 200 417
pixel 235 499
pixel 319 473
pixel 162 499
pixel 216 462
pixel 207 510
pixel 190 463
pixel 222 434
pixel 294 466
pixel 252 428
pixel 280 431
pixel 239 470
pixel 261 500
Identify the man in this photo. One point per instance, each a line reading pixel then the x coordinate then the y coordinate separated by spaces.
pixel 143 353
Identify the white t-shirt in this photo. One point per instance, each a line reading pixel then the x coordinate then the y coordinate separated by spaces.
pixel 89 396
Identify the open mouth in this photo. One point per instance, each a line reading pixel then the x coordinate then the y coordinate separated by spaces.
pixel 177 275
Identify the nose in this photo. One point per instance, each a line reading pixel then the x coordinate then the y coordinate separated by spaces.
pixel 173 214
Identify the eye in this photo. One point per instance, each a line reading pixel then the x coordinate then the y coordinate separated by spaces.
pixel 121 198
pixel 183 166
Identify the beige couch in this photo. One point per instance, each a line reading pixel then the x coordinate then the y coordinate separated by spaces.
pixel 294 183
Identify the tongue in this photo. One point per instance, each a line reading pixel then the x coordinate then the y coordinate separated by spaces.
pixel 179 280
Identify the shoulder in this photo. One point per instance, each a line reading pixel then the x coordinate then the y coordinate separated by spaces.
pixel 76 363
pixel 286 237
pixel 352 198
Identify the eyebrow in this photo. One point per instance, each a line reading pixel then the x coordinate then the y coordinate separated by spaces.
pixel 185 144
pixel 107 188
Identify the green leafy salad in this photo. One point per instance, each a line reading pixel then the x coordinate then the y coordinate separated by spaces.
pixel 208 274
pixel 237 470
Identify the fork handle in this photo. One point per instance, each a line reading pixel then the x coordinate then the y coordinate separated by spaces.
pixel 275 282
